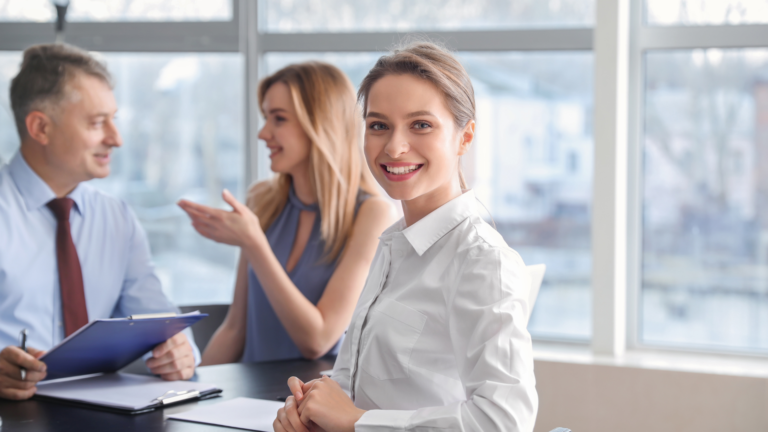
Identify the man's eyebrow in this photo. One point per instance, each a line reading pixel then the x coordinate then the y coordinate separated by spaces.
pixel 377 115
pixel 419 114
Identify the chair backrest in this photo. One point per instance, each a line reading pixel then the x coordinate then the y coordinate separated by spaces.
pixel 536 272
pixel 204 329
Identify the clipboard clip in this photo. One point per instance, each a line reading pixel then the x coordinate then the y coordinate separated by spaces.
pixel 173 396
pixel 152 315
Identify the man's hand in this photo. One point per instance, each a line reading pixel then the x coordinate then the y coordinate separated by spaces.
pixel 173 359
pixel 12 359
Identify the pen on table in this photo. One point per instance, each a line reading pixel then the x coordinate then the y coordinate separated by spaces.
pixel 24 348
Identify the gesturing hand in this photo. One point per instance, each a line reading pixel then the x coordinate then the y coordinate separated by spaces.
pixel 236 227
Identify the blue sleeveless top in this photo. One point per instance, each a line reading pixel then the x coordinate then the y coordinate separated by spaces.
pixel 266 339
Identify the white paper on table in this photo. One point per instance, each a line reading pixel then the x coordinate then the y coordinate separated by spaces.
pixel 117 390
pixel 241 413
pixel 326 372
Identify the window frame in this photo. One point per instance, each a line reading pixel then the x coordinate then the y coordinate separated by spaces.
pixel 647 38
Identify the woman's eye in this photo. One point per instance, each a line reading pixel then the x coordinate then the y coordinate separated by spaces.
pixel 279 119
pixel 421 125
pixel 377 126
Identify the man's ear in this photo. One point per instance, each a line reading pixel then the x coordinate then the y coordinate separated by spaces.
pixel 467 136
pixel 39 126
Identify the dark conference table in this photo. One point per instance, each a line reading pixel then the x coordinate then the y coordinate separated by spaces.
pixel 256 380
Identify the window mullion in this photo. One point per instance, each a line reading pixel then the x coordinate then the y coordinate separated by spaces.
pixel 609 209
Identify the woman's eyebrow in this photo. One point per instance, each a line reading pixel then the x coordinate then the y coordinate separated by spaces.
pixel 419 114
pixel 277 110
pixel 377 115
pixel 407 116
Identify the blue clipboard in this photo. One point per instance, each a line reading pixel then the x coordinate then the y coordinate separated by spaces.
pixel 107 345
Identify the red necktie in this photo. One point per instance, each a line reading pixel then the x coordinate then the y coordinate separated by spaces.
pixel 70 274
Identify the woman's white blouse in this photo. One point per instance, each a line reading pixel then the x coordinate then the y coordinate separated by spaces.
pixel 438 339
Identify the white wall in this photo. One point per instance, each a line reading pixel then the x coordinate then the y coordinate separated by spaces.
pixel 605 398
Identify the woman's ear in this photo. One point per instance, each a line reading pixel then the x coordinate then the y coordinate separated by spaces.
pixel 467 136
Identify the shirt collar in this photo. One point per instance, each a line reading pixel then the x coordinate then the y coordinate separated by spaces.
pixel 35 192
pixel 431 228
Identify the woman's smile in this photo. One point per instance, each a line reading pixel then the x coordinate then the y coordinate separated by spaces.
pixel 400 171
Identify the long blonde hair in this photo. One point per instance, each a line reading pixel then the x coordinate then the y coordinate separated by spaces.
pixel 326 107
pixel 435 64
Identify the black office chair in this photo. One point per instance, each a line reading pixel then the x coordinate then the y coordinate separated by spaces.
pixel 206 327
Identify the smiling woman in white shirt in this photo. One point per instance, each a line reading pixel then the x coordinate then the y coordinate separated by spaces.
pixel 438 339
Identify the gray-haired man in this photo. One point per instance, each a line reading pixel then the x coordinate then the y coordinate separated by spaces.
pixel 69 253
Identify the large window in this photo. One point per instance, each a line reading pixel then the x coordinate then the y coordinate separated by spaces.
pixel 184 126
pixel 696 240
pixel 705 242
pixel 704 231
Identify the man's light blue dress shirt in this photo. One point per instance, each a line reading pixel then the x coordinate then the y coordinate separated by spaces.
pixel 118 275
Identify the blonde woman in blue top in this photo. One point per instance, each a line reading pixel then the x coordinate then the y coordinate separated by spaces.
pixel 307 236
pixel 438 340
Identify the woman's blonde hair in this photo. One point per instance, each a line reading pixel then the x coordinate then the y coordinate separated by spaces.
pixel 325 104
pixel 435 64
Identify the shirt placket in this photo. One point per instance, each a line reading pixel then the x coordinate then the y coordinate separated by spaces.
pixel 387 260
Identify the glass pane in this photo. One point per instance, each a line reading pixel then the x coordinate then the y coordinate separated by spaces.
pixel 150 10
pixel 119 10
pixel 706 12
pixel 531 167
pixel 27 10
pixel 9 138
pixel 181 118
pixel 705 214
pixel 307 16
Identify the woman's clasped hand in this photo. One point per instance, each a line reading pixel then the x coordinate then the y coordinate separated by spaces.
pixel 317 405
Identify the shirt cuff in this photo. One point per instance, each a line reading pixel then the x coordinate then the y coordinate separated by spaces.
pixel 195 349
pixel 383 421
